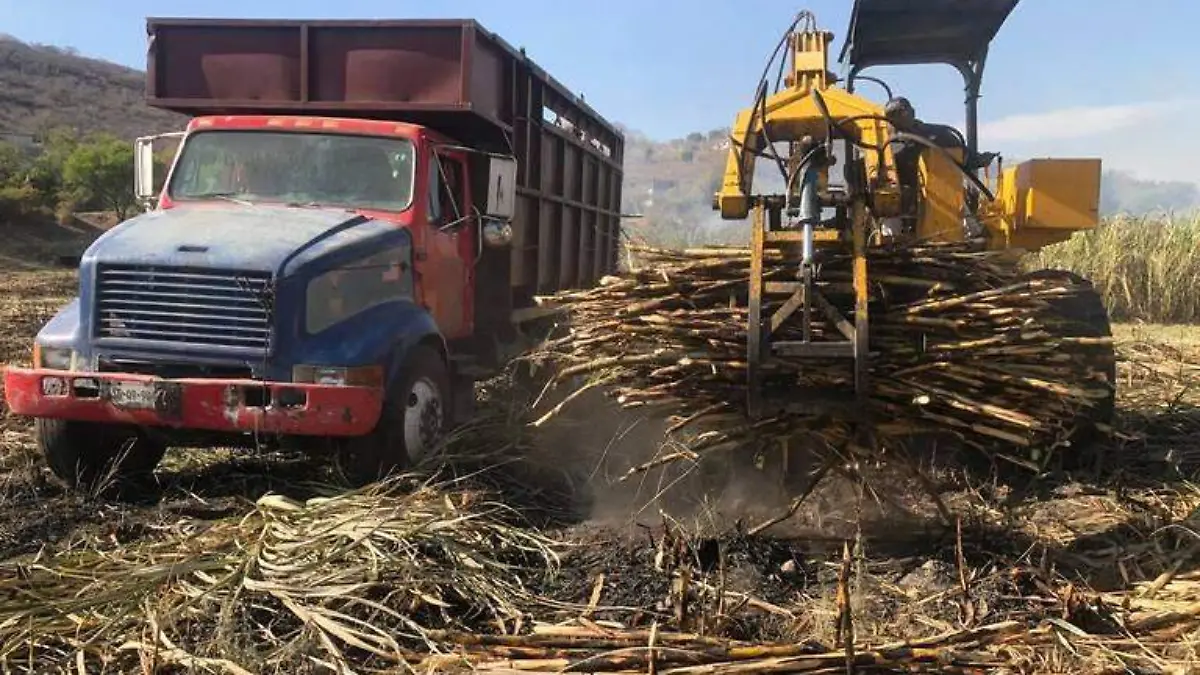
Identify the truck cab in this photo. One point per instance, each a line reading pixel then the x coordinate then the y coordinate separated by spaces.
pixel 335 274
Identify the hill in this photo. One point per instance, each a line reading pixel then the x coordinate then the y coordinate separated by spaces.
pixel 44 87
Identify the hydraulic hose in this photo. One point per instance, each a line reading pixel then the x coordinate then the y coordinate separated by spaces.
pixel 800 168
pixel 866 78
pixel 905 136
pixel 760 93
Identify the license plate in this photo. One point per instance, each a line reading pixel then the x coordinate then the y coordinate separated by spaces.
pixel 135 395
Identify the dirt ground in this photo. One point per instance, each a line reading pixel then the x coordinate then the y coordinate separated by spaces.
pixel 1061 549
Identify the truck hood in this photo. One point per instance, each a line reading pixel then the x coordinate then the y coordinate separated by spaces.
pixel 255 237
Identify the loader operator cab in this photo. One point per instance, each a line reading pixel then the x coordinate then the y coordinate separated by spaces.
pixel 899 111
pixel 907 152
pixel 903 117
pixel 919 32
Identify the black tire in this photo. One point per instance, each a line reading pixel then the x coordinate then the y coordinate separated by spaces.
pixel 1088 318
pixel 397 443
pixel 86 455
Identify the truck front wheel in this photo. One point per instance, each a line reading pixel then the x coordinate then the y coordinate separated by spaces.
pixel 88 455
pixel 412 423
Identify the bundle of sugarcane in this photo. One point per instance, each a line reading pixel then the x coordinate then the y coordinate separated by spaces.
pixel 961 339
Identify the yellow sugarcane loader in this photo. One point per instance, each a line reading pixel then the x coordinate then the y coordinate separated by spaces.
pixel 902 179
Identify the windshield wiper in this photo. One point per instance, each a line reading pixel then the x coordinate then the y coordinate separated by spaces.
pixel 227 196
pixel 318 205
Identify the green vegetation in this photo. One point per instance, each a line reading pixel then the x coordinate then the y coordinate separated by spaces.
pixel 1144 267
pixel 102 171
pixel 66 129
pixel 62 173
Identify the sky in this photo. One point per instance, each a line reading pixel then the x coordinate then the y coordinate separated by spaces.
pixel 1064 77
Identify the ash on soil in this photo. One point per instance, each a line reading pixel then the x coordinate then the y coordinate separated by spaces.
pixel 641 568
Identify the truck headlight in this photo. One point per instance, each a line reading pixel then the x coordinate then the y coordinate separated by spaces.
pixel 339 376
pixel 53 358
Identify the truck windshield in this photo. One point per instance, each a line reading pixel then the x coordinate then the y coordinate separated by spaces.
pixel 296 167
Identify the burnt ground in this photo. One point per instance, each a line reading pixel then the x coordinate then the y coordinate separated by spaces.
pixel 1121 526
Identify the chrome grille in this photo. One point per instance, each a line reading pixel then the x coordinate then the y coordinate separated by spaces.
pixel 220 308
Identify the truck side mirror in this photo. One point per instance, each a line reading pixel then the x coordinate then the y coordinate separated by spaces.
pixel 143 168
pixel 496 225
pixel 502 188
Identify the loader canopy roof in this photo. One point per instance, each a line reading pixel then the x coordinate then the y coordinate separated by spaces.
pixel 896 32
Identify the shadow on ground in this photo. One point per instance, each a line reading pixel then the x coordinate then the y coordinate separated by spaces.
pixel 38 513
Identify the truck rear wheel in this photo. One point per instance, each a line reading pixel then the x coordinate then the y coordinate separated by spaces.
pixel 87 455
pixel 412 423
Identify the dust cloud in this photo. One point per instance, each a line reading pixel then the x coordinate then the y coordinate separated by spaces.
pixel 598 442
pixel 592 445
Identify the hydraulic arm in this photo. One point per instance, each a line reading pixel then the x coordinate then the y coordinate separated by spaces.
pixel 797 129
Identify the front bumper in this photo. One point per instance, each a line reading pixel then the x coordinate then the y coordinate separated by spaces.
pixel 204 404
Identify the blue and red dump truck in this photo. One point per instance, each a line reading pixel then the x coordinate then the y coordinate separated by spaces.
pixel 357 220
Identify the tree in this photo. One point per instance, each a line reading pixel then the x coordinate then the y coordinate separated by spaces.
pixel 17 198
pixel 16 202
pixel 45 173
pixel 100 171
pixel 12 165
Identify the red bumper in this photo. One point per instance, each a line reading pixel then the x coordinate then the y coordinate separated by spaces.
pixel 215 405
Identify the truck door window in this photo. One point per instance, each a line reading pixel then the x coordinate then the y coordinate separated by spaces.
pixel 445 191
pixel 434 193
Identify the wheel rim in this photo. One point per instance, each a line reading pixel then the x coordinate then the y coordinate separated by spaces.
pixel 422 419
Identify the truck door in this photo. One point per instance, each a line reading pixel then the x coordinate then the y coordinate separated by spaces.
pixel 447 273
